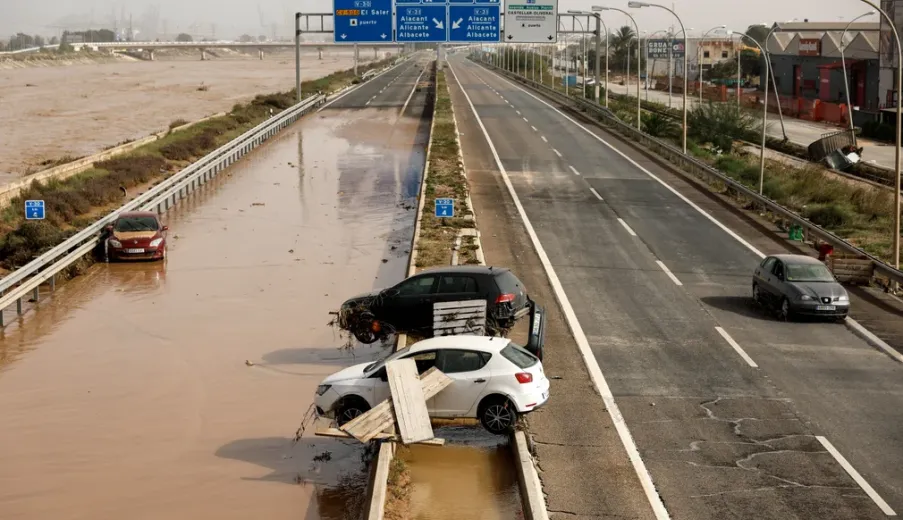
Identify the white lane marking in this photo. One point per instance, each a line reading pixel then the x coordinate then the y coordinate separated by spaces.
pixel 525 119
pixel 628 228
pixel 589 359
pixel 411 94
pixel 596 193
pixel 518 112
pixel 546 140
pixel 730 341
pixel 885 508
pixel 368 102
pixel 644 170
pixel 554 150
pixel 668 272
pixel 574 170
pixel 359 85
pixel 534 128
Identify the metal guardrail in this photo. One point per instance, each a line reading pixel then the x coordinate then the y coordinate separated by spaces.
pixel 161 197
pixel 699 168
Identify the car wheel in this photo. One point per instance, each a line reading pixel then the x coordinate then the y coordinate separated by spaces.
pixel 497 415
pixel 785 313
pixel 349 409
pixel 365 335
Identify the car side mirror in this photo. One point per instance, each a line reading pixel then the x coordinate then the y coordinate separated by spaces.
pixel 165 228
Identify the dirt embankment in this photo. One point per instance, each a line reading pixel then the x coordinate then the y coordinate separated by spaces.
pixel 80 109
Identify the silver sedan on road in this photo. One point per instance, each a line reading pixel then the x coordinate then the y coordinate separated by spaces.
pixel 799 285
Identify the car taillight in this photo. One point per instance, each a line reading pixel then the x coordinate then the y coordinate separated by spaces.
pixel 505 298
pixel 524 377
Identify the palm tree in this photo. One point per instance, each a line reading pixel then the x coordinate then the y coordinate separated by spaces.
pixel 622 38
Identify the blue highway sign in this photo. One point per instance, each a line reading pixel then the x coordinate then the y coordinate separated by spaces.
pixel 362 21
pixel 474 23
pixel 445 208
pixel 421 23
pixel 34 209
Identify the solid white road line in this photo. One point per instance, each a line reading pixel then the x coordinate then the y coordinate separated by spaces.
pixel 592 365
pixel 359 85
pixel 869 490
pixel 727 337
pixel 554 150
pixel 574 170
pixel 414 89
pixel 668 272
pixel 630 231
pixel 596 193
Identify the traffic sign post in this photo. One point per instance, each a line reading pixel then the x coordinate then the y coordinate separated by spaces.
pixel 445 208
pixel 531 21
pixel 34 210
pixel 362 21
pixel 474 23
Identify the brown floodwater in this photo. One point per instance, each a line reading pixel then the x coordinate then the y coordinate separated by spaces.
pixel 149 391
pixel 472 477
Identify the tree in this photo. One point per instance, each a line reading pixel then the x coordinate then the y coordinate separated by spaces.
pixel 759 32
pixel 246 38
pixel 261 38
pixel 39 41
pixel 183 37
pixel 54 41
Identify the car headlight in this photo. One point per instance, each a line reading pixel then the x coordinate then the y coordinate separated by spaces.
pixel 843 298
pixel 156 242
pixel 322 389
pixel 805 297
pixel 115 243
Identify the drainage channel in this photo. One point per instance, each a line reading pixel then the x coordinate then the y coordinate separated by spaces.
pixel 472 476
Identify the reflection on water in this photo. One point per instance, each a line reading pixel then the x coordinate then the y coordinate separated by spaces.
pixel 472 477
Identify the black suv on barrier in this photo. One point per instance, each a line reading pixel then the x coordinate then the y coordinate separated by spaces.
pixel 407 307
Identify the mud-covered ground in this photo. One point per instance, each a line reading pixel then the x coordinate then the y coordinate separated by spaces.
pixel 81 108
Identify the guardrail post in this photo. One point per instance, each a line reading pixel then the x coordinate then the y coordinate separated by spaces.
pixel 18 305
pixel 2 324
pixel 37 293
pixel 53 282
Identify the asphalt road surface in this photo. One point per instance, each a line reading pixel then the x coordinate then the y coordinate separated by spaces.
pixel 734 414
pixel 127 394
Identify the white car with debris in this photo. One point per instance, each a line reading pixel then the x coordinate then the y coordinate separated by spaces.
pixel 493 380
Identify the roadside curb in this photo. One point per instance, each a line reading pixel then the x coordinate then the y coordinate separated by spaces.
pixel 534 503
pixel 873 340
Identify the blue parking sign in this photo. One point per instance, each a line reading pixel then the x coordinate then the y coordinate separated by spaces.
pixel 445 208
pixel 34 210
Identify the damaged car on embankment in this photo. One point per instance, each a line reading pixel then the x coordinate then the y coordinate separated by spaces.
pixel 439 301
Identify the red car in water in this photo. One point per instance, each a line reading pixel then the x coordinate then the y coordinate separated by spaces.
pixel 137 235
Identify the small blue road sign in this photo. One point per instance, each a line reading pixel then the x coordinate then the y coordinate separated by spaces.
pixel 362 21
pixel 34 210
pixel 445 208
pixel 426 22
pixel 474 23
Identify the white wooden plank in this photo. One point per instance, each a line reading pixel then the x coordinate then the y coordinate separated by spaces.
pixel 335 432
pixel 460 304
pixel 411 414
pixel 458 323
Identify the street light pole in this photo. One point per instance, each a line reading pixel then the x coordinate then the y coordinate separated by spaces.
pixel 764 118
pixel 634 4
pixel 699 56
pixel 774 81
pixel 298 57
pixel 843 64
pixel 897 143
pixel 639 100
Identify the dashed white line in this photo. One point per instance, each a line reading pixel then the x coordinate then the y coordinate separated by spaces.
pixel 574 170
pixel 534 128
pixel 589 359
pixel 525 119
pixel 885 508
pixel 596 193
pixel 554 150
pixel 518 112
pixel 668 272
pixel 630 231
pixel 730 341
pixel 546 140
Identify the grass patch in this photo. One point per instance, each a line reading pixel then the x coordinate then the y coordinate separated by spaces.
pixel 445 179
pixel 398 492
pixel 72 203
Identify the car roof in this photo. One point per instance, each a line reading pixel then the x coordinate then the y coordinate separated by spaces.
pixel 463 342
pixel 137 214
pixel 798 259
pixel 471 269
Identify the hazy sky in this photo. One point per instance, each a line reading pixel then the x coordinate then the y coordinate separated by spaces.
pixel 234 17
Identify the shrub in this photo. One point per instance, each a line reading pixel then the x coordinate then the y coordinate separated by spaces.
pixel 658 125
pixel 721 123
pixel 30 239
pixel 177 123
pixel 832 215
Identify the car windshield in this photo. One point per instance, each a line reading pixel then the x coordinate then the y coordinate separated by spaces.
pixel 376 365
pixel 136 224
pixel 808 273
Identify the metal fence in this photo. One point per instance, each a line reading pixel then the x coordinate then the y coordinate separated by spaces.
pixel 161 197
pixel 700 169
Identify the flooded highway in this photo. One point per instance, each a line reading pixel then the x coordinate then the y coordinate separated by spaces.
pixel 148 391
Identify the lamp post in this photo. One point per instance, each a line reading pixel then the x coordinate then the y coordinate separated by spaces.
pixel 764 119
pixel 635 4
pixel 774 81
pixel 639 101
pixel 843 64
pixel 699 56
pixel 893 28
pixel 650 74
pixel 596 65
pixel 583 57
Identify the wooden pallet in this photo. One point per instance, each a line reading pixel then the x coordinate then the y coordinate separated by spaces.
pixel 851 270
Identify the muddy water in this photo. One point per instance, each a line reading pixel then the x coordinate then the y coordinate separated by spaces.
pixel 148 391
pixel 472 477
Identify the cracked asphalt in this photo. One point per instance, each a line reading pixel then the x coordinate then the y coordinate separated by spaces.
pixel 652 281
